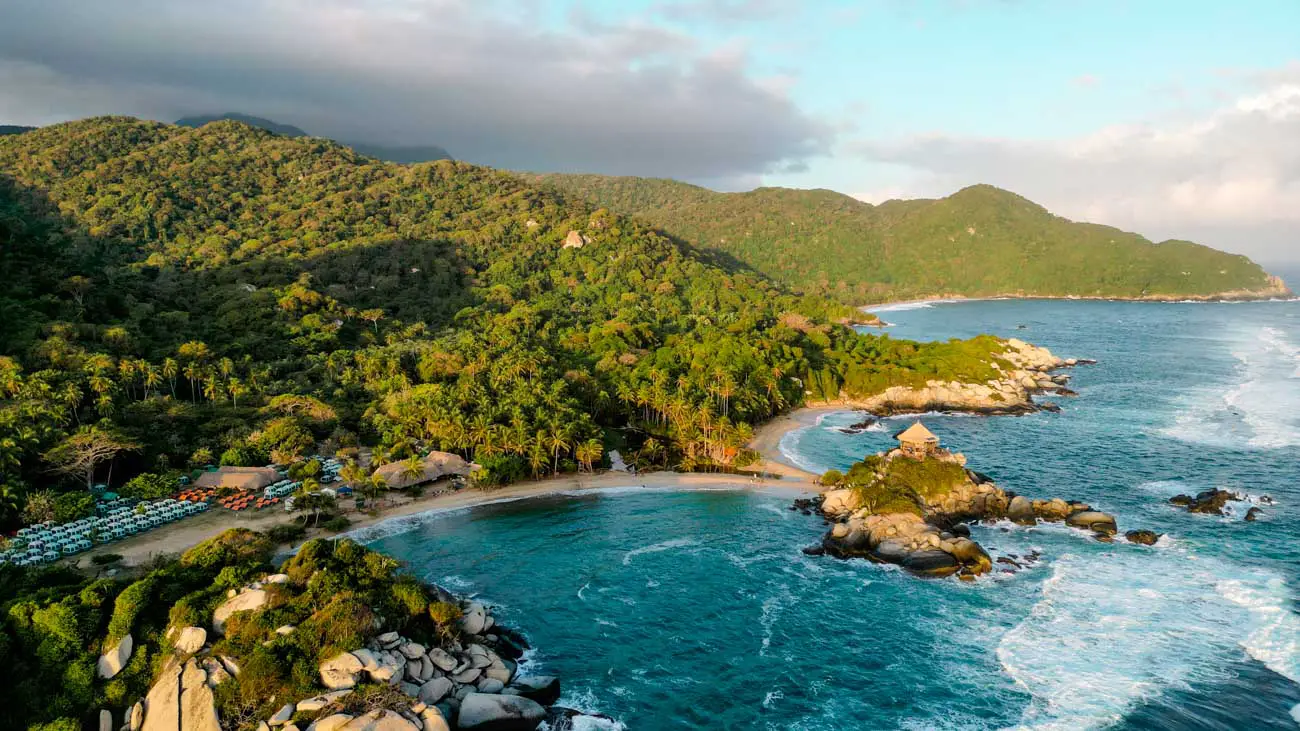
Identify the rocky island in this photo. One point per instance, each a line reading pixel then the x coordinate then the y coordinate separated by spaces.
pixel 910 506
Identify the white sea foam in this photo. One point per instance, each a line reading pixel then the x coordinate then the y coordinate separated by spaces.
pixel 585 701
pixel 1261 410
pixel 789 448
pixel 656 548
pixel 905 306
pixel 1112 630
pixel 1275 639
pixel 770 613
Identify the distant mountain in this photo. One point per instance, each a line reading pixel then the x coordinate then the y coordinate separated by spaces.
pixel 14 129
pixel 980 241
pixel 405 155
pixel 288 130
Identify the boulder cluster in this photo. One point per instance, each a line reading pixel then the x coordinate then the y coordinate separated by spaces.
pixel 470 682
pixel 1215 502
pixel 934 540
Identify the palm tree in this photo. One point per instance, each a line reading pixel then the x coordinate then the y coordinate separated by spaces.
pixel 588 452
pixel 558 440
pixel 10 500
pixel 236 388
pixel 169 370
pixel 413 469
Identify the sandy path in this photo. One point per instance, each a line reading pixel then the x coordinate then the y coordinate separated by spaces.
pixel 175 538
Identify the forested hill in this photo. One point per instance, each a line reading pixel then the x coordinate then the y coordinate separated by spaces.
pixel 980 241
pixel 403 154
pixel 227 293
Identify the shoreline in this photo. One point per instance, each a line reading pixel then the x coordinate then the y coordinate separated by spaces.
pixel 176 538
pixel 1221 298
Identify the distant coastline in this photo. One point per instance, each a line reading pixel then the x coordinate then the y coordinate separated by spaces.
pixel 1281 294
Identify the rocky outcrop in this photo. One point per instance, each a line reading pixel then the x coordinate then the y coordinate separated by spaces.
pixel 576 240
pixel 247 600
pixel 116 658
pixel 190 640
pixel 341 671
pixel 931 539
pixel 1142 537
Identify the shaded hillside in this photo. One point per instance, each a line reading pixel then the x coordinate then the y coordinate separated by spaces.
pixel 980 241
pixel 400 154
pixel 224 292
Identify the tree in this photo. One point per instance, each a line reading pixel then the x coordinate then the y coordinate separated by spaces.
pixel 149 486
pixel 39 507
pixel 373 317
pixel 70 506
pixel 87 448
pixel 10 501
pixel 588 452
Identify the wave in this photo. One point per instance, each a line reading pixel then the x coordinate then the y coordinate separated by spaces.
pixel 658 547
pixel 1260 410
pixel 789 449
pixel 584 701
pixel 905 306
pixel 1111 631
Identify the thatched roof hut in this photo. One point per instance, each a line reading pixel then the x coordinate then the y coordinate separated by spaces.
pixel 238 478
pixel 437 464
pixel 917 441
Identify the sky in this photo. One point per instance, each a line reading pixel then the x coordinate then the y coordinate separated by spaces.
pixel 1172 118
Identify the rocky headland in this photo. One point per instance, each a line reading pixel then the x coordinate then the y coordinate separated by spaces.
pixel 1023 371
pixel 333 640
pixel 899 509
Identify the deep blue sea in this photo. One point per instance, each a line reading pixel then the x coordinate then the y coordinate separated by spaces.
pixel 696 610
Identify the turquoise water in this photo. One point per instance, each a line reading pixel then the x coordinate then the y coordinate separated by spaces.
pixel 677 610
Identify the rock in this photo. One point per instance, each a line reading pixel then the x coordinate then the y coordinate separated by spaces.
pixel 330 723
pixel 276 579
pixel 442 659
pixel 426 669
pixel 489 712
pixel 340 671
pixel 105 720
pixel 1093 520
pixel 931 562
pixel 474 620
pixel 814 550
pixel 972 556
pixel 490 685
pixel 388 638
pixel 544 689
pixel 1252 514
pixel 1021 511
pixel 116 658
pixel 433 720
pixel 248 601
pixel 499 670
pixel 840 502
pixel 575 240
pixel 316 703
pixel 1143 537
pixel 468 675
pixel 285 629
pixel 435 690
pixel 190 640
pixel 380 720
pixel 136 718
pixel 409 689
pixel 559 718
pixel 413 650
pixel 368 659
pixel 1210 502
pixel 282 716
pixel 228 663
pixel 181 697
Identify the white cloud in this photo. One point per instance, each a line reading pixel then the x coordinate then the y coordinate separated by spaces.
pixel 1229 178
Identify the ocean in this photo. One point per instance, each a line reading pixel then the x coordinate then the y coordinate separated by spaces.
pixel 696 609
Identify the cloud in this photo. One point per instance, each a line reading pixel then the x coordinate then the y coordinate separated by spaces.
pixel 490 80
pixel 1229 178
pixel 722 11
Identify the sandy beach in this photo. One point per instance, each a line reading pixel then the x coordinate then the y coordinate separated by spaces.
pixel 173 539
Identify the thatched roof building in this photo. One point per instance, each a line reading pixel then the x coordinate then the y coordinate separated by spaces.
pixel 238 478
pixel 917 441
pixel 397 475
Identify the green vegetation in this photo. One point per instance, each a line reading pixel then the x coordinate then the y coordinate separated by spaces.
pixel 980 241
pixel 177 297
pixel 897 485
pixel 54 623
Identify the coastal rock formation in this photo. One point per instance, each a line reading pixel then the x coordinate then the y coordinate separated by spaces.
pixel 180 698
pixel 247 600
pixel 910 511
pixel 116 658
pixel 1023 370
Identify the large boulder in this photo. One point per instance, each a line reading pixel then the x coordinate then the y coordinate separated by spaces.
pixel 1143 537
pixel 433 720
pixel 190 640
pixel 931 562
pixel 380 720
pixel 247 601
pixel 840 502
pixel 972 555
pixel 333 722
pixel 181 698
pixel 1021 510
pixel 544 689
pixel 116 658
pixel 435 690
pixel 487 712
pixel 341 671
pixel 1093 520
pixel 474 620
pixel 442 659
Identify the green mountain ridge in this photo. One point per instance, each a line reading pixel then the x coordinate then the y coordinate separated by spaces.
pixel 978 242
pixel 407 154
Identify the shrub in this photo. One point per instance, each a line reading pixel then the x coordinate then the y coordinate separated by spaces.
pixel 236 545
pixel 410 596
pixel 342 625
pixel 128 606
pixel 337 524
pixel 446 616
pixel 286 532
pixel 831 477
pixel 70 506
pixel 58 724
pixel 105 559
pixel 149 486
